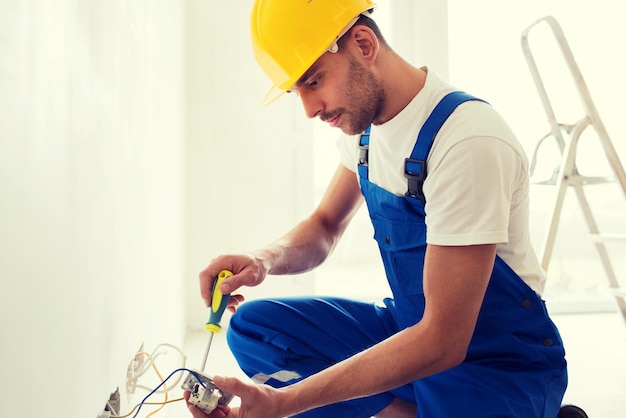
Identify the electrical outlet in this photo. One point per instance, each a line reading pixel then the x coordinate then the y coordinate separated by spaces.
pixel 133 369
pixel 112 406
pixel 115 402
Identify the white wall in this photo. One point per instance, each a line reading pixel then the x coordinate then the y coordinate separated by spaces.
pixel 248 169
pixel 91 209
pixel 133 149
pixel 418 30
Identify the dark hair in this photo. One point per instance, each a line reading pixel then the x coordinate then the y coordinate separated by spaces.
pixel 370 23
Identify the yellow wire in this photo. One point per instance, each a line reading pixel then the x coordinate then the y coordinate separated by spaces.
pixel 165 402
pixel 127 415
pixel 147 403
pixel 164 387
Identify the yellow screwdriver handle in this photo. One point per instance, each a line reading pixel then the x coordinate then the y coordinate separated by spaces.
pixel 219 302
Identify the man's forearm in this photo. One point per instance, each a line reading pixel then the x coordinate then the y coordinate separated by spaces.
pixel 300 250
pixel 454 291
pixel 308 244
pixel 385 366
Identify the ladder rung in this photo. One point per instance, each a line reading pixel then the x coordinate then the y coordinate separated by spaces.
pixel 575 179
pixel 604 236
pixel 595 180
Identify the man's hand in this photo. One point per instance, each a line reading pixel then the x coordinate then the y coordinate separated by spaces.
pixel 247 269
pixel 225 412
pixel 257 401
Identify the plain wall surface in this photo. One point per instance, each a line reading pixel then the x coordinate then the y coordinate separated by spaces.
pixel 91 187
pixel 248 169
pixel 130 155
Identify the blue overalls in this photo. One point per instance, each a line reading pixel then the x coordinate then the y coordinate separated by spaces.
pixel 515 364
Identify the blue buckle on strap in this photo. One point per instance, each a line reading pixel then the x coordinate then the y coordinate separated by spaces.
pixel 415 166
pixel 415 173
pixel 364 144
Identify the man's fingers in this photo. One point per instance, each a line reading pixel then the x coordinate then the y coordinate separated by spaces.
pixel 231 385
pixel 198 413
pixel 234 301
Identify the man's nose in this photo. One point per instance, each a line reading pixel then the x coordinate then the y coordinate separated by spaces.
pixel 313 106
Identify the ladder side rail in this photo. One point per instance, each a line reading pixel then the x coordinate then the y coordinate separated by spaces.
pixel 576 181
pixel 566 176
pixel 588 104
pixel 597 237
pixel 555 128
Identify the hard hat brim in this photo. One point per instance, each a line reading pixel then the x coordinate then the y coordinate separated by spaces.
pixel 272 95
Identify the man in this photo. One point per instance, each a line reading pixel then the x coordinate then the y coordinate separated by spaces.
pixel 446 185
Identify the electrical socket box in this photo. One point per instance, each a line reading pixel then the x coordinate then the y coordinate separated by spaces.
pixel 112 406
pixel 133 369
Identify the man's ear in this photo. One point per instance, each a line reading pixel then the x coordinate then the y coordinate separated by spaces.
pixel 366 42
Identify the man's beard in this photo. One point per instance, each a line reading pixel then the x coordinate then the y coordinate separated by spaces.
pixel 365 97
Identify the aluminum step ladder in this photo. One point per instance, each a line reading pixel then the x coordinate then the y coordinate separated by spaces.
pixel 566 174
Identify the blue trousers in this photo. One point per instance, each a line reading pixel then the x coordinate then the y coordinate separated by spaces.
pixel 305 335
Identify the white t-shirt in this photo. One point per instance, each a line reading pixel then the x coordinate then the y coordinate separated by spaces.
pixel 476 188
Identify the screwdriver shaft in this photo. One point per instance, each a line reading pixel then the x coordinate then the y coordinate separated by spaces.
pixel 206 353
pixel 219 303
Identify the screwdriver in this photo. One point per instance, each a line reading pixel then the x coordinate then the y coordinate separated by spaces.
pixel 219 301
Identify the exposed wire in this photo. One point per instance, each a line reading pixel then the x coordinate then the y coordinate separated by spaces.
pixel 138 407
pixel 148 403
pixel 156 370
pixel 131 383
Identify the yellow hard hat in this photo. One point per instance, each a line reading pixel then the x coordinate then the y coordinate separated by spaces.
pixel 288 36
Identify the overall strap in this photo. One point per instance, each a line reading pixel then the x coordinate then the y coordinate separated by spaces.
pixel 415 166
pixel 364 144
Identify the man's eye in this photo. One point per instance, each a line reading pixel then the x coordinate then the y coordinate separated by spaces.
pixel 313 83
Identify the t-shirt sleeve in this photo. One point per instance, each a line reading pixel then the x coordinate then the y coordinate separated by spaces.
pixel 347 146
pixel 469 192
